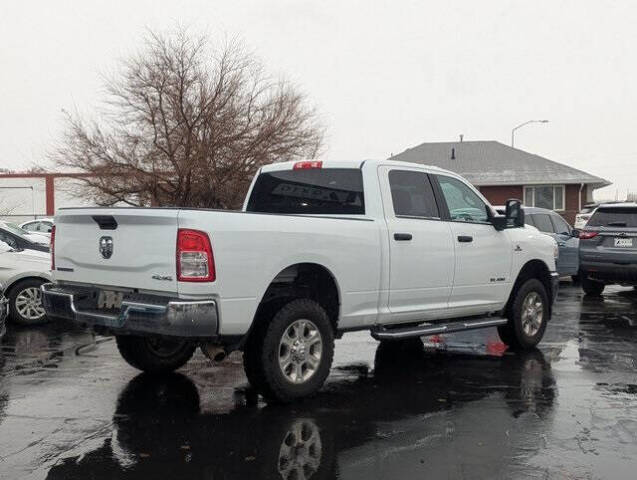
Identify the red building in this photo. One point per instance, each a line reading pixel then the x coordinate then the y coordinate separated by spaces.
pixel 502 172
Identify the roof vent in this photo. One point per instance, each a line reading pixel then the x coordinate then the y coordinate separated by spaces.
pixel 453 154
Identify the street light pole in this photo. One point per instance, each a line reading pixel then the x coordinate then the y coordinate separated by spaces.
pixel 522 125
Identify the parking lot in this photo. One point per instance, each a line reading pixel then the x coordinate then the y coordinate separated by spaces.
pixel 461 408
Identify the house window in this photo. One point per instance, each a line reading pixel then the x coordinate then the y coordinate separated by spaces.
pixel 545 196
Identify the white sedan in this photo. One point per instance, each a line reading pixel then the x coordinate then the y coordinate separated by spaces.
pixel 22 272
pixel 39 238
pixel 40 226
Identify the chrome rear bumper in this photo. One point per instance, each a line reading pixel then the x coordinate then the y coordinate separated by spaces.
pixel 139 314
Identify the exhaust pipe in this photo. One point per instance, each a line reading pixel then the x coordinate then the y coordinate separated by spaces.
pixel 214 352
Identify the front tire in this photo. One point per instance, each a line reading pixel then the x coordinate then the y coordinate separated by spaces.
pixel 25 303
pixel 528 316
pixel 592 287
pixel 290 356
pixel 154 354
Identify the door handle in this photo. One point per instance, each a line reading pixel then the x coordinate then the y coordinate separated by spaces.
pixel 402 237
pixel 465 238
pixel 561 244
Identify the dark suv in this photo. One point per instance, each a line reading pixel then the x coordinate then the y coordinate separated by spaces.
pixel 608 248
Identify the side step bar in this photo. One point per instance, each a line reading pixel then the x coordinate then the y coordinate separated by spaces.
pixel 397 333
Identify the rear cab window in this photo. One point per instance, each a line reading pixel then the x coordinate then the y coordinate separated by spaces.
pixel 613 217
pixel 316 191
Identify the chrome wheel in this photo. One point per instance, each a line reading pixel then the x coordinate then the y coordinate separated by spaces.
pixel 532 313
pixel 300 351
pixel 28 303
pixel 300 452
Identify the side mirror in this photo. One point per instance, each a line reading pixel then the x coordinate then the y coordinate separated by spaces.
pixel 514 212
pixel 575 233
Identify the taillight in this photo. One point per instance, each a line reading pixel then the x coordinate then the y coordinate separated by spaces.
pixel 306 165
pixel 587 235
pixel 195 262
pixel 52 248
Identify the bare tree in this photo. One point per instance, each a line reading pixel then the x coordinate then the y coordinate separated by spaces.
pixel 182 125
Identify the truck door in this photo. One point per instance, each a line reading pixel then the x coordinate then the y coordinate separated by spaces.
pixel 420 245
pixel 483 254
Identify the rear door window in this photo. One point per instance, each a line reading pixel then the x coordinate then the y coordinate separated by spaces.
pixel 614 217
pixel 543 222
pixel 412 194
pixel 323 191
pixel 560 225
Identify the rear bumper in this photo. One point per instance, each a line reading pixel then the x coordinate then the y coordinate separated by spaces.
pixel 610 272
pixel 138 315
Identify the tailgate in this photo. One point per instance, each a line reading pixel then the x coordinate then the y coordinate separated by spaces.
pixel 127 247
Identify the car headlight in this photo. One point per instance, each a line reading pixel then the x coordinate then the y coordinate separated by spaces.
pixel 556 250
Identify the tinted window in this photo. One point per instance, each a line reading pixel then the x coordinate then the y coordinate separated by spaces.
pixel 543 222
pixel 614 217
pixel 412 194
pixel 560 224
pixel 312 191
pixel 463 203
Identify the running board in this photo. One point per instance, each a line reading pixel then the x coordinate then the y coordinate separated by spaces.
pixel 382 333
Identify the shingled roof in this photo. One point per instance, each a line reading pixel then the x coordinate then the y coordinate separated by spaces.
pixel 493 163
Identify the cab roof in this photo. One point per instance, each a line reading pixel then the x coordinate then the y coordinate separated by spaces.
pixel 350 164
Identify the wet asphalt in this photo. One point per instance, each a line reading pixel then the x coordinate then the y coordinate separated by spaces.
pixel 459 407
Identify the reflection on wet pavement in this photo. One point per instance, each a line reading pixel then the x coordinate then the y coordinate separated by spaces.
pixel 459 406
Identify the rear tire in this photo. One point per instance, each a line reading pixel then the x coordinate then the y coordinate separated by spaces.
pixel 25 303
pixel 154 355
pixel 528 316
pixel 290 356
pixel 592 287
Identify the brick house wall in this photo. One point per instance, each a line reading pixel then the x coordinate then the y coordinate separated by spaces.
pixel 497 195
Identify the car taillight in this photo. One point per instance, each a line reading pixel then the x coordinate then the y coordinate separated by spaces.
pixel 195 262
pixel 587 235
pixel 305 165
pixel 52 248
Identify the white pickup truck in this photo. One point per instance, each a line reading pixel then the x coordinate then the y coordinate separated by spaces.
pixel 319 249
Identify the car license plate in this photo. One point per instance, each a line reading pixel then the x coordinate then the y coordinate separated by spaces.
pixel 109 300
pixel 623 242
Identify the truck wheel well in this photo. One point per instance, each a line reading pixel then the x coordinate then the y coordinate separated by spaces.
pixel 303 280
pixel 531 269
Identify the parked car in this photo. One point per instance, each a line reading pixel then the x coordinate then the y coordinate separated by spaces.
pixel 41 226
pixel 321 248
pixel 4 310
pixel 22 272
pixel 21 239
pixel 554 225
pixel 584 215
pixel 608 248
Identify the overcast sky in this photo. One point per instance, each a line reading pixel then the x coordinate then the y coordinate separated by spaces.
pixel 385 76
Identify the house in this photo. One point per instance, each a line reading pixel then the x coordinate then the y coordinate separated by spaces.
pixel 502 172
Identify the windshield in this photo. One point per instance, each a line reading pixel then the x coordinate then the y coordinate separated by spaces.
pixel 327 191
pixel 614 217
pixel 13 228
